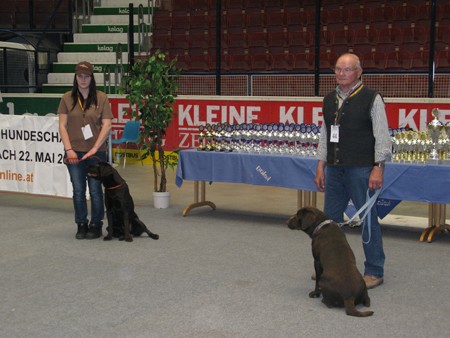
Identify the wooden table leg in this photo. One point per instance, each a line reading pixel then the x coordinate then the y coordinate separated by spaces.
pixel 306 199
pixel 199 202
pixel 431 223
pixel 439 221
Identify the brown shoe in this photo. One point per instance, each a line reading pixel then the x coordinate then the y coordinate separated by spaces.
pixel 372 281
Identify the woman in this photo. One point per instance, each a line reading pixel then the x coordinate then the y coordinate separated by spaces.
pixel 84 124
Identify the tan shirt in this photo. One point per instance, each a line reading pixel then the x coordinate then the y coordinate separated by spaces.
pixel 93 116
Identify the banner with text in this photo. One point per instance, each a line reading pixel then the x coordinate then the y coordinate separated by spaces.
pixel 31 156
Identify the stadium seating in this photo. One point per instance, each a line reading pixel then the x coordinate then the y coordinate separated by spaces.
pixel 269 34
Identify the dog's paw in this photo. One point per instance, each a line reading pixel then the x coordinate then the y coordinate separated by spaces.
pixel 107 238
pixel 128 239
pixel 314 294
pixel 154 236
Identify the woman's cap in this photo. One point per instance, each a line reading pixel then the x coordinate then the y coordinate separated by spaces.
pixel 84 67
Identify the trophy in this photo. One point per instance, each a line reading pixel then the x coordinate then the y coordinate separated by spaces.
pixel 434 130
pixel 447 131
pixel 201 138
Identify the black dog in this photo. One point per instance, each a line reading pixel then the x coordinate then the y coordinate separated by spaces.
pixel 122 220
pixel 337 276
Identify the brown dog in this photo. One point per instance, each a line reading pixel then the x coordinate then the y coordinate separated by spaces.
pixel 337 276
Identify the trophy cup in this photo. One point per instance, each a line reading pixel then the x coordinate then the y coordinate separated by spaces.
pixel 434 130
pixel 447 131
pixel 201 139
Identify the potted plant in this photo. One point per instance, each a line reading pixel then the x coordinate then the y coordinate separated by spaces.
pixel 151 89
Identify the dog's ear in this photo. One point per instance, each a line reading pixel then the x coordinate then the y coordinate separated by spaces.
pixel 307 218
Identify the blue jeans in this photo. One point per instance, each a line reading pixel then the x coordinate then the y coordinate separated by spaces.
pixel 78 177
pixel 341 185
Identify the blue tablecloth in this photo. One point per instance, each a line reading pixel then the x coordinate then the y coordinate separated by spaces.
pixel 402 181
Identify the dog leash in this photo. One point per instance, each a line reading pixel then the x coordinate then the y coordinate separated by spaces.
pixel 364 211
pixel 93 156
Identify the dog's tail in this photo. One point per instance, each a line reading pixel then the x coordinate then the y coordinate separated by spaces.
pixel 351 309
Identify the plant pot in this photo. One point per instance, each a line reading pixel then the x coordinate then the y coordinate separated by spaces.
pixel 161 200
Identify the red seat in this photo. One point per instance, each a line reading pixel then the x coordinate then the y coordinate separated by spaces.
pixel 411 47
pixel 199 63
pixel 420 60
pixel 369 35
pixel 326 37
pixel 381 16
pixel 183 62
pixel 234 21
pixel 390 34
pixel 180 24
pixel 260 62
pixel 277 41
pixel 199 41
pixel 443 60
pixel 424 11
pixel 239 63
pixel 398 60
pixel 253 4
pixel 275 18
pixel 199 5
pixel 199 21
pixel 181 6
pixel 161 40
pixel 359 15
pixel 304 61
pixel 233 4
pixel 415 34
pixel 328 59
pixel 405 12
pixel 338 15
pixel 343 36
pixel 386 47
pixel 236 40
pixel 282 61
pixel 255 21
pixel 374 61
pixel 302 39
pixel 257 41
pixel 442 33
pixel 180 41
pixel 162 22
pixel 296 19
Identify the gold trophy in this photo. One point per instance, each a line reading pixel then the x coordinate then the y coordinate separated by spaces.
pixel 434 130
pixel 201 139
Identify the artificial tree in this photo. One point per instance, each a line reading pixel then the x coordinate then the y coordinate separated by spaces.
pixel 151 88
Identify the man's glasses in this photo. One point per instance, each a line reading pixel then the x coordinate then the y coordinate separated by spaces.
pixel 344 70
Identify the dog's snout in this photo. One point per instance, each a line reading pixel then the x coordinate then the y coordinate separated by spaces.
pixel 292 222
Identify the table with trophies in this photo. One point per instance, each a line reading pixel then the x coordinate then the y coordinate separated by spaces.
pixel 284 156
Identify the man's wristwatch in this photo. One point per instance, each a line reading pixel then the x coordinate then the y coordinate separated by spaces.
pixel 379 164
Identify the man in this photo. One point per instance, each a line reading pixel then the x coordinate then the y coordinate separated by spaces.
pixel 353 146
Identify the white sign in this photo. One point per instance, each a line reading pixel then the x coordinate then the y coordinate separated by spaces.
pixel 31 156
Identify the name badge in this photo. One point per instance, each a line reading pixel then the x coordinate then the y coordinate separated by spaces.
pixel 334 137
pixel 87 132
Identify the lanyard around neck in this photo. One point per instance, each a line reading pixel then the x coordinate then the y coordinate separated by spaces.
pixel 338 114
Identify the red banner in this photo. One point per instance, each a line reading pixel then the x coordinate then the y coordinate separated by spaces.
pixel 191 113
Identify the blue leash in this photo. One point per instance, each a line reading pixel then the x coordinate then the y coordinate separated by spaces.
pixel 365 210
